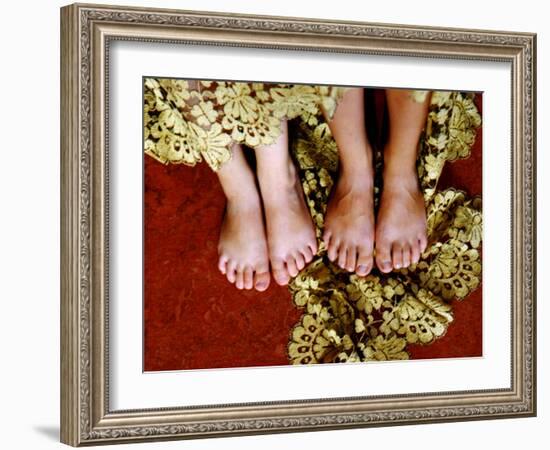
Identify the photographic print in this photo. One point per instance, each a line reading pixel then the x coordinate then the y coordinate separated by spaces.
pixel 307 224
pixel 255 208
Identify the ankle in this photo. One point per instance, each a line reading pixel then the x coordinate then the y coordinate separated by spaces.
pixel 400 176
pixel 357 177
pixel 273 166
pixel 277 178
pixel 246 197
pixel 400 158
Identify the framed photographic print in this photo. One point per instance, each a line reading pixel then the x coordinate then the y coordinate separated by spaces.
pixel 289 224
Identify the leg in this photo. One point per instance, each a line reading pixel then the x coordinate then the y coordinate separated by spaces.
pixel 290 232
pixel 349 222
pixel 401 222
pixel 242 245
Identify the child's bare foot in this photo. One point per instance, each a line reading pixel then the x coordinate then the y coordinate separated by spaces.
pixel 291 236
pixel 401 222
pixel 349 223
pixel 242 246
pixel 290 233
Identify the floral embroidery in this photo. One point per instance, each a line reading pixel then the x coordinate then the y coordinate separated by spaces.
pixel 249 113
pixel 467 226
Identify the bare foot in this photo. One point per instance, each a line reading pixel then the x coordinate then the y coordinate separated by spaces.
pixel 290 232
pixel 242 246
pixel 401 222
pixel 349 223
pixel 291 236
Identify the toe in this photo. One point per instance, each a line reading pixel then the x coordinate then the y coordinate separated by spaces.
pixel 383 256
pixel 291 266
pixel 351 259
pixel 248 277
pixel 222 264
pixel 313 246
pixel 280 273
pixel 261 280
pixel 397 256
pixel 231 268
pixel 423 242
pixel 307 254
pixel 300 261
pixel 327 235
pixel 415 252
pixel 332 252
pixel 342 256
pixel 406 255
pixel 364 261
pixel 239 280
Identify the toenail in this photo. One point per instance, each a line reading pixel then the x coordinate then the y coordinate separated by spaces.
pixel 361 268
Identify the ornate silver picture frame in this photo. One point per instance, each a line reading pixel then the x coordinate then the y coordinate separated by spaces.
pixel 87 33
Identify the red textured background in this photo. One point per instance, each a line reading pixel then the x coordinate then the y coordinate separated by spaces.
pixel 194 318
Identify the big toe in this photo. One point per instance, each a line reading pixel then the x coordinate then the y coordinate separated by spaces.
pixel 261 281
pixel 280 274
